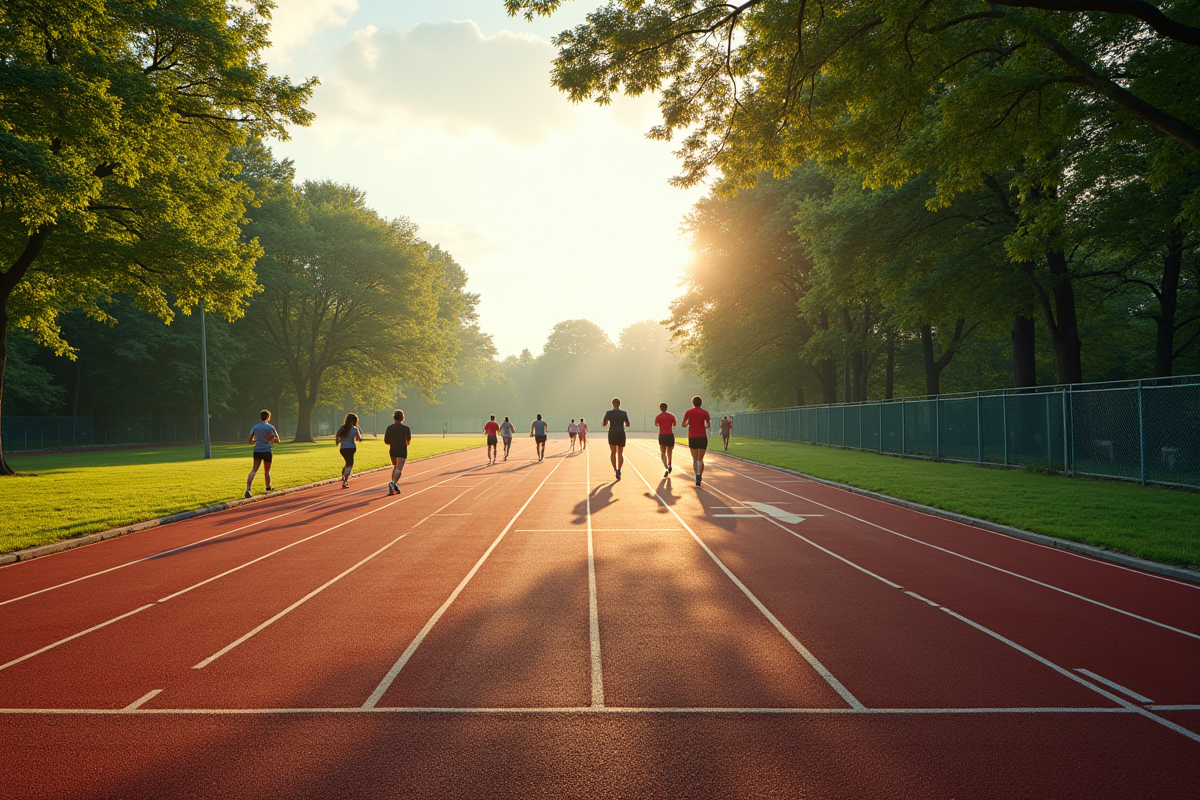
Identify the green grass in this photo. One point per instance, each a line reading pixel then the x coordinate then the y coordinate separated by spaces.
pixel 1145 521
pixel 62 495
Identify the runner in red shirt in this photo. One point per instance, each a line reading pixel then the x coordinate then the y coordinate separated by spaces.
pixel 697 421
pixel 666 436
pixel 491 429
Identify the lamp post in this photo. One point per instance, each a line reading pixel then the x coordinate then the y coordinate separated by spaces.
pixel 204 381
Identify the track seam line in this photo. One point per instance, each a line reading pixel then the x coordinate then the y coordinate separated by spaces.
pixel 685 710
pixel 593 602
pixel 146 698
pixel 812 660
pixel 975 560
pixel 392 673
pixel 1115 686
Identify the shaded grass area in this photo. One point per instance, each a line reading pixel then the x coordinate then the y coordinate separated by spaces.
pixel 1146 521
pixel 61 495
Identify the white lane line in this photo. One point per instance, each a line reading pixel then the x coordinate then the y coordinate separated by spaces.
pixel 1066 672
pixel 1161 707
pixel 141 701
pixel 684 710
pixel 1115 686
pixel 737 516
pixel 593 606
pixel 319 589
pixel 392 673
pixel 209 539
pixel 923 599
pixel 812 660
pixel 74 636
pixel 581 529
pixel 983 563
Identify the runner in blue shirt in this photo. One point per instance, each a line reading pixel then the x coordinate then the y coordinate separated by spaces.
pixel 538 431
pixel 265 437
pixel 616 421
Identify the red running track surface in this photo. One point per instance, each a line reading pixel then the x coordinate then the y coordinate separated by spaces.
pixel 538 629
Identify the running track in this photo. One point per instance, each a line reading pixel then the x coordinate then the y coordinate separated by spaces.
pixel 537 630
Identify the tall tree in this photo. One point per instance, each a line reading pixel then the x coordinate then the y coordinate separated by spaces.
pixel 115 117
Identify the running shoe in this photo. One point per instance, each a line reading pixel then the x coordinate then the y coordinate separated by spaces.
pixel 247 495
pixel 618 474
pixel 697 480
pixel 666 472
pixel 270 488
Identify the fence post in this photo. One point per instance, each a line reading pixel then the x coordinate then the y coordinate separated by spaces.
pixel 880 407
pixel 903 445
pixel 860 410
pixel 1071 408
pixel 937 428
pixel 1004 413
pixel 1049 449
pixel 979 426
pixel 1141 436
pixel 1066 453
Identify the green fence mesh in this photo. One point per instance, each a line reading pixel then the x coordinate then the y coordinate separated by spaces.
pixel 1146 431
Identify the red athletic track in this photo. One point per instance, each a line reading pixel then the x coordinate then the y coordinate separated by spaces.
pixel 539 630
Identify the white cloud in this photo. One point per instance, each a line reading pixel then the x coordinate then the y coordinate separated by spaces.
pixel 294 22
pixel 450 75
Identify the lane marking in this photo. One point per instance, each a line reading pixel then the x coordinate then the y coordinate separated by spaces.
pixel 146 698
pixel 74 636
pixel 392 673
pixel 1066 672
pixel 812 660
pixel 1161 707
pixel 210 538
pixel 736 516
pixel 779 513
pixel 581 529
pixel 923 599
pixel 686 710
pixel 1114 685
pixel 983 563
pixel 593 605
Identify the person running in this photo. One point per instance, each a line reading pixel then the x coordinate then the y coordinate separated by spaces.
pixel 265 437
pixel 491 429
pixel 582 434
pixel 698 422
pixel 347 438
pixel 507 429
pixel 666 437
pixel 538 431
pixel 397 437
pixel 616 421
pixel 573 432
pixel 726 430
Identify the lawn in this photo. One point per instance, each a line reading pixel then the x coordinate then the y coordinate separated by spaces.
pixel 61 495
pixel 1145 521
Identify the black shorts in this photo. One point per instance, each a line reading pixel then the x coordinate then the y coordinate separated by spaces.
pixel 348 455
pixel 491 440
pixel 540 439
pixel 262 457
pixel 666 440
pixel 698 442
pixel 399 452
pixel 617 438
pixel 573 434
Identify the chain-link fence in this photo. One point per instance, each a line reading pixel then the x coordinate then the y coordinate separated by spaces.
pixel 32 434
pixel 1146 431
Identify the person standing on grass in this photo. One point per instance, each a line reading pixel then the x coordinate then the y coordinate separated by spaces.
pixel 698 423
pixel 582 434
pixel 265 437
pixel 616 421
pixel 347 438
pixel 726 430
pixel 491 429
pixel 397 437
pixel 507 429
pixel 573 431
pixel 538 431
pixel 666 437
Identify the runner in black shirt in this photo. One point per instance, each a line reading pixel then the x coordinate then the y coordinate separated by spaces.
pixel 616 421
pixel 396 437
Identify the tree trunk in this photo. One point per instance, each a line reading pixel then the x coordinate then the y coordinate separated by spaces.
pixel 78 385
pixel 799 394
pixel 889 369
pixel 5 469
pixel 1168 301
pixel 277 402
pixel 305 405
pixel 1024 342
pixel 933 374
pixel 1064 322
pixel 827 369
pixel 858 363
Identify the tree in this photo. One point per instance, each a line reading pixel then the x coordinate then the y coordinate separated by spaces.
pixel 115 118
pixel 350 300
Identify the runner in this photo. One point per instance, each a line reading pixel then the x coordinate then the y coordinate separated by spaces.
pixel 666 437
pixel 491 429
pixel 397 437
pixel 538 431
pixel 697 421
pixel 726 430
pixel 616 421
pixel 265 437
pixel 582 434
pixel 572 431
pixel 507 429
pixel 347 439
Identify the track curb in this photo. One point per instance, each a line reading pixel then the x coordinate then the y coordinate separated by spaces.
pixel 1133 562
pixel 31 553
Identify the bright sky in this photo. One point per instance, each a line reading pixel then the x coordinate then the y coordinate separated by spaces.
pixel 443 112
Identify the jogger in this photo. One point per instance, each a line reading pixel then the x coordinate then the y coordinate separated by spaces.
pixel 538 431
pixel 265 437
pixel 698 422
pixel 666 437
pixel 397 437
pixel 726 430
pixel 582 434
pixel 616 421
pixel 347 438
pixel 490 428
pixel 507 429
pixel 573 431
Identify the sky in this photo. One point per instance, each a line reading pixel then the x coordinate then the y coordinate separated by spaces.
pixel 442 111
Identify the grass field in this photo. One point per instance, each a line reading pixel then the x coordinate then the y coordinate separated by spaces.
pixel 62 495
pixel 1145 521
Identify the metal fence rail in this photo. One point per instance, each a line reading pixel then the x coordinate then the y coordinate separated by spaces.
pixel 1146 431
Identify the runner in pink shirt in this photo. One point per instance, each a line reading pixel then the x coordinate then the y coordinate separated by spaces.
pixel 666 436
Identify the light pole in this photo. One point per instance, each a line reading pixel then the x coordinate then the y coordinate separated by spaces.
pixel 204 381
